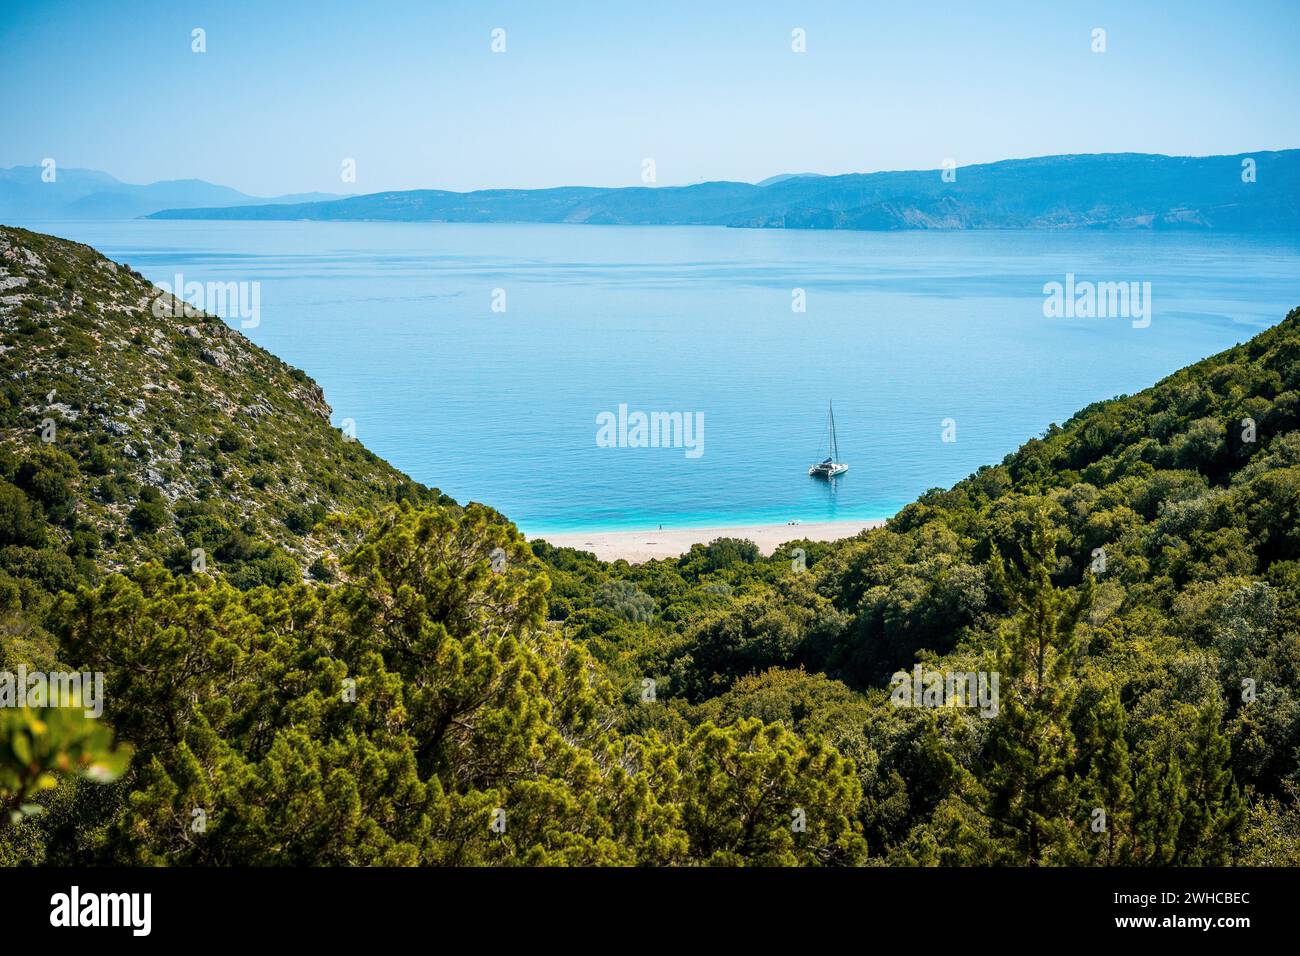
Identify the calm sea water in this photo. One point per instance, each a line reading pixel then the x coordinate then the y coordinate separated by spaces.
pixel 903 331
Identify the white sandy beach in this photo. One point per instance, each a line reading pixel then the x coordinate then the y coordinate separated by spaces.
pixel 637 546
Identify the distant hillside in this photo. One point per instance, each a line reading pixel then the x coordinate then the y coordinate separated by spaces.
pixel 144 434
pixel 90 194
pixel 1113 191
pixel 782 177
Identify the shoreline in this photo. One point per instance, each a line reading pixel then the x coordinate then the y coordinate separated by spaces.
pixel 636 546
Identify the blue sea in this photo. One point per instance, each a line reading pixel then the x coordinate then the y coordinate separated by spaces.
pixel 478 357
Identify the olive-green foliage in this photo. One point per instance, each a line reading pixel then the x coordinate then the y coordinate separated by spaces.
pixel 420 711
pixel 41 745
pixel 437 691
pixel 1158 532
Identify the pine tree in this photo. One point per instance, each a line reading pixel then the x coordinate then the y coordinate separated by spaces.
pixel 1157 810
pixel 1215 811
pixel 1031 798
pixel 1108 786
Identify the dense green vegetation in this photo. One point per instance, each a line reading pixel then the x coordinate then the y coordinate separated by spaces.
pixel 1133 577
pixel 416 684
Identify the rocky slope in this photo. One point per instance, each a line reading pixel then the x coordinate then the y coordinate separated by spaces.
pixel 161 434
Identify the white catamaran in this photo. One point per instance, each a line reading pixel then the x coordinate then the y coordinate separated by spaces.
pixel 831 466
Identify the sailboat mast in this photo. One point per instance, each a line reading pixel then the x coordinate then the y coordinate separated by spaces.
pixel 831 466
pixel 835 445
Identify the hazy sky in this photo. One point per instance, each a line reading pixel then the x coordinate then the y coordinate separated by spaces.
pixel 711 90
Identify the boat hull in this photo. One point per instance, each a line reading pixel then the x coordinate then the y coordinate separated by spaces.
pixel 827 471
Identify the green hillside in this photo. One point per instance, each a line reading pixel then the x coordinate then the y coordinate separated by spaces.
pixel 1171 518
pixel 438 691
pixel 144 436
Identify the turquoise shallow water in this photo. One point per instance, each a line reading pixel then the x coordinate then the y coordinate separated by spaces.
pixel 903 330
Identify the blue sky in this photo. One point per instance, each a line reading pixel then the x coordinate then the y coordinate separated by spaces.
pixel 585 91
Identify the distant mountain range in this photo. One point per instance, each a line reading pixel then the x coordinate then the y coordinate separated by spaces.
pixel 90 194
pixel 1108 190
